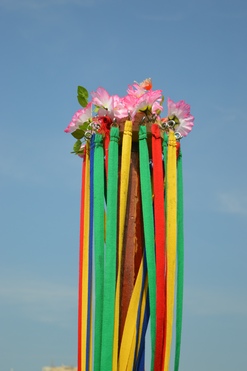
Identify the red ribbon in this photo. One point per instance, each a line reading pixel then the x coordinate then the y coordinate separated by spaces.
pixel 160 244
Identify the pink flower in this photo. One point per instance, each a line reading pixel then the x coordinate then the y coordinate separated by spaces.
pixel 136 90
pixel 181 110
pixel 119 109
pixel 81 116
pixel 157 107
pixel 111 106
pixel 130 102
pixel 101 98
pixel 150 101
pixel 146 84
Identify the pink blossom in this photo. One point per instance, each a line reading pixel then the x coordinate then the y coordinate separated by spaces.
pixel 119 109
pixel 141 98
pixel 150 101
pixel 112 106
pixel 130 102
pixel 182 111
pixel 81 116
pixel 157 107
pixel 146 84
pixel 101 98
pixel 136 90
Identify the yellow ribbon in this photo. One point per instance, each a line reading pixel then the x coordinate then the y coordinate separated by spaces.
pixel 143 308
pixel 127 349
pixel 171 240
pixel 123 195
pixel 85 261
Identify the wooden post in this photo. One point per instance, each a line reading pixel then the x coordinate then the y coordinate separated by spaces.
pixel 133 237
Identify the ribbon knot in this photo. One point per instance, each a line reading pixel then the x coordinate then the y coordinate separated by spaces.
pixel 142 132
pixel 114 134
pixel 155 131
pixel 98 141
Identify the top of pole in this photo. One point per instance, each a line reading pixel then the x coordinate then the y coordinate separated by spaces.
pixel 142 105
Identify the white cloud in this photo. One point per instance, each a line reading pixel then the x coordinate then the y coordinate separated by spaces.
pixel 215 301
pixel 233 202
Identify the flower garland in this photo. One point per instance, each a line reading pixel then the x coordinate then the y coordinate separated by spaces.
pixel 141 102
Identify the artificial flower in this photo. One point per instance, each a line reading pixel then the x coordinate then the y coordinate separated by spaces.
pixel 130 102
pixel 181 112
pixel 146 84
pixel 101 98
pixel 111 106
pixel 149 102
pixel 136 90
pixel 140 101
pixel 80 117
pixel 119 109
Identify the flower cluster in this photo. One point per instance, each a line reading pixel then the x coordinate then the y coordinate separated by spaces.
pixel 104 109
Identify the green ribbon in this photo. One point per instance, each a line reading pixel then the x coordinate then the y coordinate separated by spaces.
pixel 98 244
pixel 110 254
pixel 148 222
pixel 180 261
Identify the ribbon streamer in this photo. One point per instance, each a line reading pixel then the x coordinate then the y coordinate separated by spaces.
pixel 110 253
pixel 80 263
pixel 180 261
pixel 171 194
pixel 142 322
pixel 127 349
pixel 84 258
pixel 159 268
pixel 160 244
pixel 99 203
pixel 123 195
pixel 148 221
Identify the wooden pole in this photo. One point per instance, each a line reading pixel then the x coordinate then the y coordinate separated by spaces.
pixel 133 237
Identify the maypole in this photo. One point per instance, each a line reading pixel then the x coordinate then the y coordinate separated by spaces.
pixel 131 258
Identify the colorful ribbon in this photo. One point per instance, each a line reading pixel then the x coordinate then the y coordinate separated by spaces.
pixel 127 349
pixel 99 203
pixel 159 272
pixel 148 221
pixel 85 263
pixel 110 253
pixel 171 205
pixel 123 195
pixel 80 264
pixel 160 244
pixel 180 261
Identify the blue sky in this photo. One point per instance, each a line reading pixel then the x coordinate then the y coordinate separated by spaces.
pixel 194 50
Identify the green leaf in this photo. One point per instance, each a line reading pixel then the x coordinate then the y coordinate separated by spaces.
pixel 78 133
pixel 82 96
pixel 82 100
pixel 77 146
pixel 84 126
pixel 82 92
